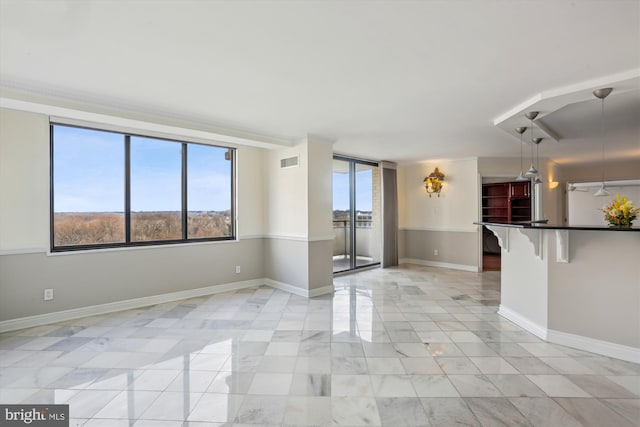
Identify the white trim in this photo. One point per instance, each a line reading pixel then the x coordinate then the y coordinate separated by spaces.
pixel 569 90
pixel 605 348
pixel 562 246
pixel 23 251
pixel 251 236
pixel 324 290
pixel 433 161
pixel 296 237
pixel 535 238
pixel 598 184
pixel 502 234
pixel 299 291
pixel 93 310
pixel 463 267
pixel 442 229
pixel 321 237
pixel 287 287
pixel 74 116
pixel 523 322
pixel 98 250
pixel 300 238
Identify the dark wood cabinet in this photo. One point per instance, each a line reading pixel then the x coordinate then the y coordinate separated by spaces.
pixel 502 202
pixel 520 190
pixel 506 202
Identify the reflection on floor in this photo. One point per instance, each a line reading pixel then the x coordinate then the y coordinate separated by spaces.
pixel 343 262
pixel 405 346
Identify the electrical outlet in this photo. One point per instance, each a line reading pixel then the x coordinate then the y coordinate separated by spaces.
pixel 435 252
pixel 48 294
pixel 237 269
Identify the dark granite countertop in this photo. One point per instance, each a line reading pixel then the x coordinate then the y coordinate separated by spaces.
pixel 545 226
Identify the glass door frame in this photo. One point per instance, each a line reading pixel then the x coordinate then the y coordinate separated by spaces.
pixel 352 211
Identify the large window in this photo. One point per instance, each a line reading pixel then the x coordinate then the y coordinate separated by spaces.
pixel 112 189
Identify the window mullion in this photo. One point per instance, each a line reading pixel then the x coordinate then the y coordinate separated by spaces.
pixel 232 156
pixel 51 191
pixel 184 192
pixel 127 189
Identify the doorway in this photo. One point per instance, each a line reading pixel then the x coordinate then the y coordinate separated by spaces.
pixel 502 202
pixel 356 214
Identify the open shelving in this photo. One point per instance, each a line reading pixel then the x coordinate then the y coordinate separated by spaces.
pixel 502 202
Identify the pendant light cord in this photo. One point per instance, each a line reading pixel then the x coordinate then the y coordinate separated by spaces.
pixel 521 144
pixel 602 137
pixel 531 142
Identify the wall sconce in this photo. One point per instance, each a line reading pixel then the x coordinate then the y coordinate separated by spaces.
pixel 433 182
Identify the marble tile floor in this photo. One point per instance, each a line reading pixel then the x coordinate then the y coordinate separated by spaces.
pixel 404 346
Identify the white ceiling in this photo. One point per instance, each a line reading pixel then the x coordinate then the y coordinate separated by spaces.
pixel 393 80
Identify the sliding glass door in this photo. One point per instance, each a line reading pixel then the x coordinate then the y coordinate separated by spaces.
pixel 356 214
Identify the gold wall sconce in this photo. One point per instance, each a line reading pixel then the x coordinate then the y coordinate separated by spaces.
pixel 433 182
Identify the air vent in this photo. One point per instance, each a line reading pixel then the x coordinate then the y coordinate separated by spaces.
pixel 289 162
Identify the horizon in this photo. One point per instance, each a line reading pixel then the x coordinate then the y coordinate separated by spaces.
pixel 89 173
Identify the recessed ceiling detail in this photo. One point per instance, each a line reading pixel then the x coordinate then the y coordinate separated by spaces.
pixel 572 112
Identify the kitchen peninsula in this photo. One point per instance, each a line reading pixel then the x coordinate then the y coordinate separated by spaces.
pixel 575 286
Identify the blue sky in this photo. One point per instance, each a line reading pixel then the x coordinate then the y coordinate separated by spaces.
pixel 364 190
pixel 89 173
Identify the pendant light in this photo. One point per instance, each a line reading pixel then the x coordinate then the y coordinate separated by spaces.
pixel 602 94
pixel 521 176
pixel 532 170
pixel 537 141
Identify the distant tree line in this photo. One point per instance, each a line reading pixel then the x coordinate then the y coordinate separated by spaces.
pixel 91 228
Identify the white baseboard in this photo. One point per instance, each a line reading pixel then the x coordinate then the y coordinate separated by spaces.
pixel 605 348
pixel 523 322
pixel 94 310
pixel 325 290
pixel 299 291
pixel 464 267
pixel 592 345
pixel 112 307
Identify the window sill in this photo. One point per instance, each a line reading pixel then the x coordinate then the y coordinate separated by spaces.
pixel 142 247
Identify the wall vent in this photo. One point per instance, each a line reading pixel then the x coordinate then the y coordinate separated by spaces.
pixel 289 162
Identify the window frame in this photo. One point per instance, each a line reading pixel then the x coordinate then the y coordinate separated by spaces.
pixel 126 146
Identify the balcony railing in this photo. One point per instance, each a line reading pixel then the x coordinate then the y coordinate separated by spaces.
pixel 364 235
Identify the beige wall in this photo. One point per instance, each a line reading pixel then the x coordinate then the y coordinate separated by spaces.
pixel 299 218
pixel 524 281
pixel 270 202
pixel 93 278
pixel 442 223
pixel 320 265
pixel 98 277
pixel 591 302
pixel 250 192
pixel 614 170
pixel 597 295
pixel 457 248
pixel 320 188
pixel 286 195
pixel 24 181
pixel 287 261
pixel 457 206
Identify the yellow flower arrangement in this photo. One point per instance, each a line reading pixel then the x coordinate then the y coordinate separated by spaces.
pixel 621 212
